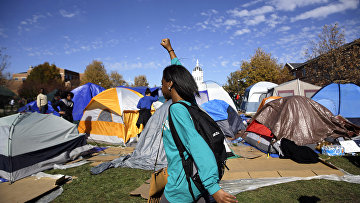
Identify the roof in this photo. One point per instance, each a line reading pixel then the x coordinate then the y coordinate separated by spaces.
pixel 345 46
pixel 294 66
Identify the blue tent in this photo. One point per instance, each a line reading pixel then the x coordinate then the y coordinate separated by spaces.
pixel 225 116
pixel 82 96
pixel 341 99
pixel 32 107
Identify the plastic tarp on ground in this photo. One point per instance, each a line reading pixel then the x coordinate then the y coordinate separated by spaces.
pixel 33 142
pixel 82 97
pixel 302 120
pixel 237 186
pixel 149 145
pixel 341 99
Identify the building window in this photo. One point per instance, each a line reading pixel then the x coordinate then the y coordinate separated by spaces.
pixel 16 79
pixel 23 79
pixel 285 93
pixel 304 72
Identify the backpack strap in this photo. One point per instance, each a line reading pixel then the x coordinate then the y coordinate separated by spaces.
pixel 181 148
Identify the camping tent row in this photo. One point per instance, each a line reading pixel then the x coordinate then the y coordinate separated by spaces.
pixel 111 115
pixel 255 93
pixel 296 118
pixel 33 142
pixel 150 149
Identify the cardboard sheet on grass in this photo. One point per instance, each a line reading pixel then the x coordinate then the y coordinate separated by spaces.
pixel 110 154
pixel 259 171
pixel 27 188
pixel 258 165
pixel 256 170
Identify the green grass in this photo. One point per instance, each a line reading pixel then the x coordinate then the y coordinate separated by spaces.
pixel 324 190
pixel 114 185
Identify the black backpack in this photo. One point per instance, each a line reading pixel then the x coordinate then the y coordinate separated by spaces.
pixel 213 136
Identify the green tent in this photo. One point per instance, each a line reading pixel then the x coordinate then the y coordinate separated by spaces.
pixel 6 92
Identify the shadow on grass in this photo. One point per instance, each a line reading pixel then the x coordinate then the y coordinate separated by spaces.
pixel 355 160
pixel 307 199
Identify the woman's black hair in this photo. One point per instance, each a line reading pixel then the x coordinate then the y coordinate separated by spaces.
pixel 183 82
pixel 66 93
pixel 147 91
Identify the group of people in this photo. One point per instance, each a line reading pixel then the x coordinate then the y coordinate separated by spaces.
pixel 178 85
pixel 61 103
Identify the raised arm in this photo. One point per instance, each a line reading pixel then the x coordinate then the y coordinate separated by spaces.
pixel 167 45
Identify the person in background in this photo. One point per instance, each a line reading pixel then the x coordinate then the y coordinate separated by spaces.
pixel 55 101
pixel 12 102
pixel 41 101
pixel 144 105
pixel 179 85
pixel 66 106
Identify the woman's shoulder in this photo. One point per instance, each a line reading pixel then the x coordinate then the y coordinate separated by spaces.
pixel 179 108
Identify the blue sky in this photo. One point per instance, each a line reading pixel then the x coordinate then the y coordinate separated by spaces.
pixel 125 34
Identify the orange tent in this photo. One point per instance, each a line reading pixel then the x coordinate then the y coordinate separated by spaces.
pixel 267 100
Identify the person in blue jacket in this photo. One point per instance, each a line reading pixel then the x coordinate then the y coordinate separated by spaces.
pixel 179 85
pixel 144 105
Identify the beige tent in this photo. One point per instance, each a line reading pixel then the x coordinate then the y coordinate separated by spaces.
pixel 295 87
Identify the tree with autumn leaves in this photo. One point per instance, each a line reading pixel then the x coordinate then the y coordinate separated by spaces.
pixel 42 76
pixel 95 73
pixel 261 67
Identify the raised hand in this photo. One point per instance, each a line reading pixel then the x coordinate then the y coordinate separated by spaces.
pixel 166 44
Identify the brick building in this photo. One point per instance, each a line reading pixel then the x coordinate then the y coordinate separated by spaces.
pixel 17 78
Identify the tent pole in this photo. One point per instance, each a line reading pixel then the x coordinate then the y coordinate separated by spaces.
pixel 11 131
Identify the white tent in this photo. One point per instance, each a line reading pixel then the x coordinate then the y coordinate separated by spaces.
pixel 214 91
pixel 254 95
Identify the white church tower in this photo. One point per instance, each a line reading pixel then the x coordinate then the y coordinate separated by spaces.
pixel 197 74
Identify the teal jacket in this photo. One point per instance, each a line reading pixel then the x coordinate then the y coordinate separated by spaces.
pixel 177 189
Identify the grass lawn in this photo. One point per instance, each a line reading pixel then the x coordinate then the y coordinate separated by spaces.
pixel 114 185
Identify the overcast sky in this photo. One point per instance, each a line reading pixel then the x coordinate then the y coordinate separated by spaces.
pixel 125 34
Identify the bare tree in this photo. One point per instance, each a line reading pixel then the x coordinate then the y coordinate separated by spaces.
pixel 331 60
pixel 331 38
pixel 4 64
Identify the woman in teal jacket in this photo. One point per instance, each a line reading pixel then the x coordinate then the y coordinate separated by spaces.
pixel 179 85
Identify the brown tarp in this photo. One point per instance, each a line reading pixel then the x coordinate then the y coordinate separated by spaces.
pixel 303 121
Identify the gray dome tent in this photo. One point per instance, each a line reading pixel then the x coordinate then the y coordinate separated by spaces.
pixel 33 142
